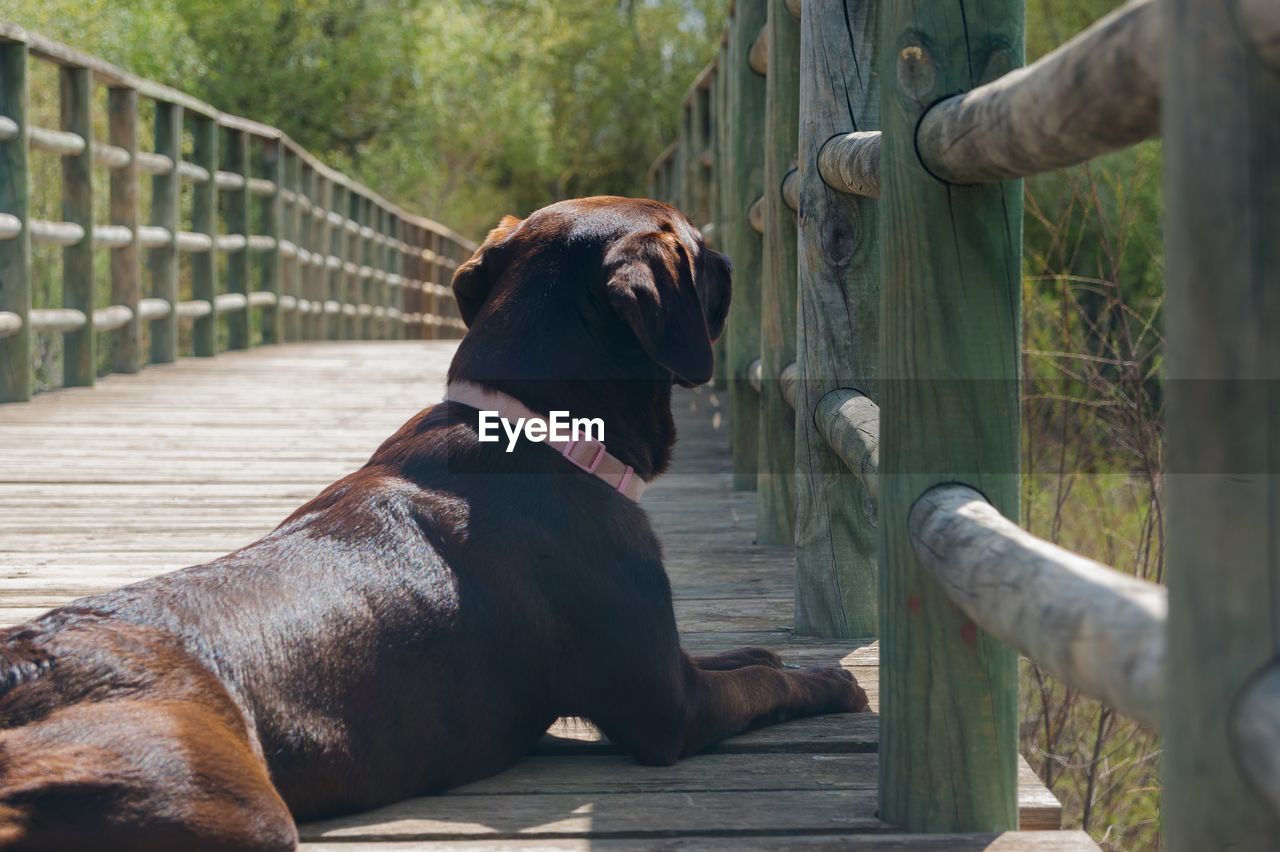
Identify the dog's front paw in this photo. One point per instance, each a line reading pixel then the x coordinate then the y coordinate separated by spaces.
pixel 842 692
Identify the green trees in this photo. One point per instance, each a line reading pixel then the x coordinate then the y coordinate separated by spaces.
pixel 465 109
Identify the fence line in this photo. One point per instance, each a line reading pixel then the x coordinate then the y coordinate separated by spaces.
pixel 364 269
pixel 1197 663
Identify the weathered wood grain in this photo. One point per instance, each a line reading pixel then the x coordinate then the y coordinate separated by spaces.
pixel 775 513
pixel 126 261
pixel 1221 127
pixel 1097 93
pixel 850 422
pixel 235 215
pixel 949 410
pixel 744 179
pixel 204 219
pixel 1096 629
pixel 850 163
pixel 16 376
pixel 838 332
pixel 1009 841
pixel 80 351
pixel 162 261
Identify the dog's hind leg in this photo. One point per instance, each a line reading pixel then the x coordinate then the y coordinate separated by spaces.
pixel 138 775
pixel 737 658
pixel 661 717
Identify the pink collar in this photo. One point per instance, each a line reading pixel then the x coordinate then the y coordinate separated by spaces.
pixel 589 456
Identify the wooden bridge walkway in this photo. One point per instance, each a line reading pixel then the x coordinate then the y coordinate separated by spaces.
pixel 179 464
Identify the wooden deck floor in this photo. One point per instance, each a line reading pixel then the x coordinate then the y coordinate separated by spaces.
pixel 180 464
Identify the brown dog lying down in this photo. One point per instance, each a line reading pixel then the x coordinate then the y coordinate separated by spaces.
pixel 422 622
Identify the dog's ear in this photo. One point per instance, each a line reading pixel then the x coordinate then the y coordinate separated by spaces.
pixel 649 283
pixel 716 284
pixel 472 280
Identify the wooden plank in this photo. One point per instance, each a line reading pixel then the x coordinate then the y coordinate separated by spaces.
pixel 290 274
pixel 743 177
pixel 949 408
pixel 16 379
pixel 235 213
pixel 80 353
pixel 1221 123
pixel 776 484
pixel 607 815
pixel 126 261
pixel 839 325
pixel 1009 841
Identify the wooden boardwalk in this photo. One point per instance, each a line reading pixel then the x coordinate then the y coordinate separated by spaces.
pixel 182 463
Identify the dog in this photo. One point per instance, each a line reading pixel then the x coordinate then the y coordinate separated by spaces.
pixel 422 622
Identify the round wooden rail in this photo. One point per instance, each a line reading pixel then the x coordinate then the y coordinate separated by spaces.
pixel 1063 109
pixel 1255 734
pixel 10 226
pixel 10 323
pixel 1097 629
pixel 850 422
pixel 851 163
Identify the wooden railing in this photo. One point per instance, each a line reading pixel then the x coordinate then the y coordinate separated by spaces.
pixel 877 293
pixel 333 259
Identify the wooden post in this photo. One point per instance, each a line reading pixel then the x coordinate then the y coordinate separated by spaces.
pixel 776 501
pixel 204 220
pixel 1221 122
pixel 166 196
pixel 126 261
pixel 951 258
pixel 719 142
pixel 744 176
pixel 434 302
pixel 235 159
pixel 80 361
pixel 307 241
pixel 340 329
pixel 289 231
pixel 15 254
pixel 270 165
pixel 368 328
pixel 838 324
pixel 330 323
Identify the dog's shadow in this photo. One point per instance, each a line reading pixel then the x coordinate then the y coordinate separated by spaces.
pixel 577 786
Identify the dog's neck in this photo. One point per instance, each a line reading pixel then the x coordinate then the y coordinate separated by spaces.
pixel 625 390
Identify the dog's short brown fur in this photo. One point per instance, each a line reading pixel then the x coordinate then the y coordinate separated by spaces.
pixel 421 622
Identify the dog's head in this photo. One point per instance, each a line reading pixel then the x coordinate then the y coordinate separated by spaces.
pixel 610 263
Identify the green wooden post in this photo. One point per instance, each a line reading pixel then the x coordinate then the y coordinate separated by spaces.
pixel 307 242
pixel 776 500
pixel 166 194
pixel 951 335
pixel 838 325
pixel 1221 120
pixel 719 129
pixel 330 324
pixel 289 231
pixel 235 159
pixel 398 300
pixel 434 304
pixel 80 361
pixel 204 220
pixel 126 261
pixel 367 327
pixel 270 165
pixel 744 176
pixel 341 328
pixel 388 266
pixel 16 379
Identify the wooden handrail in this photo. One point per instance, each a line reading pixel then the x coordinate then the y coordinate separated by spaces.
pixel 261 166
pixel 1097 629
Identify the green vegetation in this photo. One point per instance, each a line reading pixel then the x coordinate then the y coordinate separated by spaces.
pixel 463 109
pixel 469 110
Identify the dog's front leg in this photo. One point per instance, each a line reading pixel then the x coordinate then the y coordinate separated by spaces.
pixel 704 706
